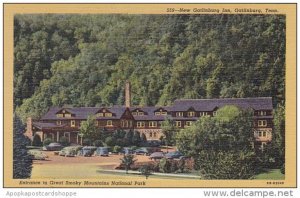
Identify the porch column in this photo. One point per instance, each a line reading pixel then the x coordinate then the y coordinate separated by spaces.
pixel 77 136
pixel 57 136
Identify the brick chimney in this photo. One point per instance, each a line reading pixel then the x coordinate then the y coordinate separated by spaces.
pixel 127 94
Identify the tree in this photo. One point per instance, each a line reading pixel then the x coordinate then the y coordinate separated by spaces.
pixel 143 138
pixel 146 171
pixel 88 128
pixel 217 143
pixel 169 131
pixel 22 161
pixel 37 140
pixel 127 161
pixel 129 137
pixel 136 139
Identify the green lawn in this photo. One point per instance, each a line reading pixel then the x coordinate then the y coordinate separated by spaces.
pixel 272 174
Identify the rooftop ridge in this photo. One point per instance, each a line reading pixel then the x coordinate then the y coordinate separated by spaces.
pixel 224 98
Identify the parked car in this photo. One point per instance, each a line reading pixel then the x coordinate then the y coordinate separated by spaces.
pixel 53 147
pixel 101 151
pixel 127 151
pixel 37 154
pixel 174 155
pixel 142 151
pixel 146 150
pixel 157 155
pixel 87 151
pixel 70 151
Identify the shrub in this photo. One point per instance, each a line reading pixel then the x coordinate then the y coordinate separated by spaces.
pixel 117 149
pixel 98 143
pixel 227 164
pixel 47 141
pixel 86 142
pixel 164 165
pixel 145 170
pixel 282 169
pixel 181 165
pixel 110 141
pixel 64 141
pixel 127 161
pixel 36 140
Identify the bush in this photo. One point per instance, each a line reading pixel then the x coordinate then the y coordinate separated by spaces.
pixel 47 141
pixel 226 164
pixel 64 141
pixel 117 149
pixel 36 140
pixel 86 142
pixel 282 169
pixel 164 165
pixel 145 170
pixel 110 141
pixel 98 143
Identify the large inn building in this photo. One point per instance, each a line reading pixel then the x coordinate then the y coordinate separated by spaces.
pixel 60 121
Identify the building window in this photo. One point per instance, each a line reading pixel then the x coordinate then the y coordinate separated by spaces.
pixel 108 114
pixel 264 134
pixel 178 123
pixel 140 113
pixel 99 114
pixel 203 113
pixel 134 113
pixel 72 123
pixel 191 114
pixel 152 124
pixel 259 133
pixel 262 113
pixel 126 123
pixel 157 113
pixel 140 124
pixel 262 123
pixel 154 134
pixel 179 114
pixel 164 113
pixel 150 134
pixel 130 123
pixel 188 123
pixel 58 122
pixel 109 123
pixel 215 113
pixel 59 115
pixel 67 115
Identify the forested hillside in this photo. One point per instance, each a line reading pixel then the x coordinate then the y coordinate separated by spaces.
pixel 84 60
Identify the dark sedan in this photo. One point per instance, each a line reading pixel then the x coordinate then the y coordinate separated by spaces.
pixel 102 151
pixel 174 155
pixel 157 155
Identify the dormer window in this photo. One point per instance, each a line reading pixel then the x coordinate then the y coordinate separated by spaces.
pixel 60 115
pixel 161 112
pixel 137 112
pixel 203 113
pixel 108 114
pixel 191 114
pixel 100 115
pixel 64 114
pixel 179 114
pixel 262 113
pixel 215 113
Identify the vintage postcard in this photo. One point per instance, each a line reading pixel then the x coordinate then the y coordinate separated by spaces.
pixel 149 95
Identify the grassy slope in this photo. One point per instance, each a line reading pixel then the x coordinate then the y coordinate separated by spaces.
pixel 271 174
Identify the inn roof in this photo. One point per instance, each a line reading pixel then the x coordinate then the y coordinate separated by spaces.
pixel 262 103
